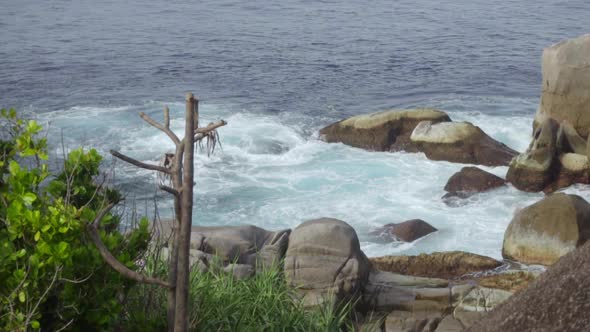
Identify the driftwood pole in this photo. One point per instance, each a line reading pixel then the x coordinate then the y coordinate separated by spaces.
pixel 180 171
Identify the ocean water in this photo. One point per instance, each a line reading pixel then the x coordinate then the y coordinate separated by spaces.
pixel 278 72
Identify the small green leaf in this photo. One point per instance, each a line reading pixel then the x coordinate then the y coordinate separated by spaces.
pixel 37 236
pixel 21 297
pixel 35 324
pixel 62 247
pixel 29 198
pixel 14 168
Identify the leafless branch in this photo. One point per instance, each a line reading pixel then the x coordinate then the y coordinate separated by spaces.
pixel 65 326
pixel 32 312
pixel 139 163
pixel 164 128
pixel 166 117
pixel 210 127
pixel 169 190
pixel 79 281
pixel 111 260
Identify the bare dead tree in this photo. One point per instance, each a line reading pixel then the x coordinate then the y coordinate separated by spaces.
pixel 178 168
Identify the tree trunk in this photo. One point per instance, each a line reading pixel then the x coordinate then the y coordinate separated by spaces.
pixel 176 177
pixel 184 236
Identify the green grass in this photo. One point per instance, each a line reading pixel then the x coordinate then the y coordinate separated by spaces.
pixel 221 303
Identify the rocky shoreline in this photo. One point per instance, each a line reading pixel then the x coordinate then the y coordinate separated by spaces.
pixel 448 291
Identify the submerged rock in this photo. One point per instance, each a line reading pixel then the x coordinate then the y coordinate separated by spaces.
pixel 406 231
pixel 324 259
pixel 444 265
pixel 547 230
pixel 559 300
pixel 566 84
pixel 382 131
pixel 470 180
pixel 460 142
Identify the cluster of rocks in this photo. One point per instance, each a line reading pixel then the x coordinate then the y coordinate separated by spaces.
pixel 450 291
pixel 420 130
pixel 557 156
pixel 322 259
pixel 556 226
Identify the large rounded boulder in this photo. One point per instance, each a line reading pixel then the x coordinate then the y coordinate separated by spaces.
pixel 324 260
pixel 547 230
pixel 566 84
pixel 460 142
pixel 382 131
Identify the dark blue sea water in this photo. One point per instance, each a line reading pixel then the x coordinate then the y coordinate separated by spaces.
pixel 278 71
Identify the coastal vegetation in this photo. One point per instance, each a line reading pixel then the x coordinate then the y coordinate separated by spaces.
pixel 56 279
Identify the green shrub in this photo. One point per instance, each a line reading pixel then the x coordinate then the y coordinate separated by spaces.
pixel 52 275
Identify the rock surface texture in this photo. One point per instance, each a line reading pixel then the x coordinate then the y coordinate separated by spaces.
pixel 558 155
pixel 382 131
pixel 566 84
pixel 558 301
pixel 547 230
pixel 460 142
pixel 406 231
pixel 241 244
pixel 439 264
pixel 324 259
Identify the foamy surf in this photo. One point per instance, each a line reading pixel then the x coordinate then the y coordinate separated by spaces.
pixel 273 171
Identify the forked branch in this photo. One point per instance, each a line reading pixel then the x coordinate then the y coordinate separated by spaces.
pixel 139 163
pixel 92 229
pixel 164 128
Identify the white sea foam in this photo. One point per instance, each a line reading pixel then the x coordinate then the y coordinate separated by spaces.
pixel 270 173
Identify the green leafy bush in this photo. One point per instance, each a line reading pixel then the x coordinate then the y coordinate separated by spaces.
pixel 52 275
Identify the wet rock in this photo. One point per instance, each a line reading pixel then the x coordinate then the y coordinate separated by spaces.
pixel 558 300
pixel 406 231
pixel 534 169
pixel 547 230
pixel 470 180
pixel 573 168
pixel 382 131
pixel 460 142
pixel 444 265
pixel 324 258
pixel 566 84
